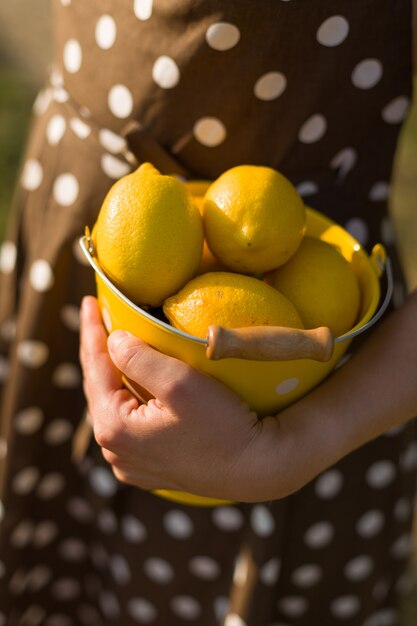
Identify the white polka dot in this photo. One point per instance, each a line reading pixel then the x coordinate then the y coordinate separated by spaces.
pixel 65 589
pixel 72 549
pixel 358 228
pixel 178 524
pixel 345 607
pixel 32 353
pixel 65 3
pixel 307 188
pixel 313 129
pixel 401 548
pixel 105 32
pixel 269 572
pixel 165 72
pixel 379 191
pixel 41 276
pixel 22 534
pixel 60 95
pixel 329 484
pixel 286 386
pixel 66 189
pixel 70 316
pixel 103 482
pixel 109 605
pixel 262 520
pixel 58 431
pixel 359 568
pixel 227 518
pixel 141 610
pixel 344 161
pixel 209 131
pixel 333 31
pixel 72 56
pixel 405 584
pixel 55 129
pixel 158 570
pixel 402 510
pixel 367 73
pixel 106 319
pixel 25 480
pixel 8 255
pixel 132 529
pixel 45 532
pixel 396 111
pixel 55 77
pixel 233 619
pixel 370 524
pixel 66 376
pixel 306 575
pixel 32 175
pixel 120 569
pixel 319 535
pixel 143 9
pixel 120 101
pixel 222 36
pixel 38 577
pixel 185 607
pixel 79 128
pixel 380 474
pixel 50 486
pixel 28 421
pixel 270 86
pixel 80 510
pixel 111 142
pixel 17 583
pixel 107 521
pixel 113 167
pixel 204 567
pixel 384 617
pixel 293 606
pixel 42 101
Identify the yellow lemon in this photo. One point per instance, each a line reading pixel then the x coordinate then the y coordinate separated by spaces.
pixel 208 262
pixel 148 236
pixel 254 219
pixel 321 284
pixel 229 300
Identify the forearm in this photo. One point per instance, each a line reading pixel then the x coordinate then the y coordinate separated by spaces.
pixel 373 392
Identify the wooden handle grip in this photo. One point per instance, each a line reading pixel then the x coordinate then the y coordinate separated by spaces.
pixel 269 343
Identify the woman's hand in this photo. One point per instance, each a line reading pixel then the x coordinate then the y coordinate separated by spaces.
pixel 194 434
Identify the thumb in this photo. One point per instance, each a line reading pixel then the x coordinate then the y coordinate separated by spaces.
pixel 146 367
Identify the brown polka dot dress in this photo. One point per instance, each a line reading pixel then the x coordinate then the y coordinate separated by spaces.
pixel 315 89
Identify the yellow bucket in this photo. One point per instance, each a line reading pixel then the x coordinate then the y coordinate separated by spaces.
pixel 267 386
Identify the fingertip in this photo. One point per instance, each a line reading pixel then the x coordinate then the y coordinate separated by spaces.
pixel 89 308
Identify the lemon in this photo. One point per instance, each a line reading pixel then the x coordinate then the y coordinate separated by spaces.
pixel 321 284
pixel 208 262
pixel 229 300
pixel 148 236
pixel 254 219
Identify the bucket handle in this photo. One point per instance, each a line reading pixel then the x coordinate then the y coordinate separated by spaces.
pixel 276 343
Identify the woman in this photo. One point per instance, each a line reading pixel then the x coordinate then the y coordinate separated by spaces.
pixel 318 92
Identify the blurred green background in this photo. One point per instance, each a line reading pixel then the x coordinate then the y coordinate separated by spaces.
pixel 25 52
